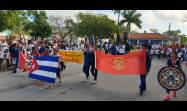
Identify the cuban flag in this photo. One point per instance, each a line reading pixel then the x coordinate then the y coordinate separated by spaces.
pixel 44 68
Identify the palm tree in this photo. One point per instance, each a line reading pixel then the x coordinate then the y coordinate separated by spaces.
pixel 131 17
pixel 119 13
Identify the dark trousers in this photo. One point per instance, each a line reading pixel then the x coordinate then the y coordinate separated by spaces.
pixel 94 72
pixel 142 82
pixel 86 69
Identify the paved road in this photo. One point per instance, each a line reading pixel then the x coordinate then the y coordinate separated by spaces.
pixel 18 87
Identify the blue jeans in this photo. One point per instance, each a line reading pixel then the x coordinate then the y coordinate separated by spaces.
pixel 143 82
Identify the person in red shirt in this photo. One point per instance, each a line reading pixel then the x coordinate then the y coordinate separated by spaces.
pixel 173 61
pixel 35 52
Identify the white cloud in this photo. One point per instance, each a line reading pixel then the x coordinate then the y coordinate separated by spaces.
pixel 158 19
pixel 173 15
pixel 64 13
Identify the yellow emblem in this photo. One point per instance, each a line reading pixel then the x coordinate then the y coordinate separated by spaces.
pixel 118 63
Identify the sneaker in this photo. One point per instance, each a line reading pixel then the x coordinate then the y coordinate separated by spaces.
pixel 86 80
pixel 141 93
pixel 94 82
pixel 167 98
pixel 174 94
pixel 14 72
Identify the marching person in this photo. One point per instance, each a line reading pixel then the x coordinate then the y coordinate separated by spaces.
pixel 86 66
pixel 92 65
pixel 16 56
pixel 1 58
pixel 55 53
pixel 121 49
pixel 173 61
pixel 113 49
pixel 148 66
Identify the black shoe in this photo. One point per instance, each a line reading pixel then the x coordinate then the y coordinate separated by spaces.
pixel 144 89
pixel 14 72
pixel 141 93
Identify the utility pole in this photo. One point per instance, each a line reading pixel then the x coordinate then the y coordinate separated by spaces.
pixel 169 29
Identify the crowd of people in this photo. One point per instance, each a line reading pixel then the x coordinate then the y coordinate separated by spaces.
pixel 9 54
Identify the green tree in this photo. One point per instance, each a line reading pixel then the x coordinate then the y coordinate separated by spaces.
pixel 183 39
pixel 118 39
pixel 131 17
pixel 39 26
pixel 12 20
pixel 154 30
pixel 90 24
pixel 174 33
pixel 118 12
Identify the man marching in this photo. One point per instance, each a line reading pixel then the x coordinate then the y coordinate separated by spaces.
pixel 148 66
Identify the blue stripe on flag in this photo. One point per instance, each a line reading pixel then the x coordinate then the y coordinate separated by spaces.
pixel 49 69
pixel 48 58
pixel 42 78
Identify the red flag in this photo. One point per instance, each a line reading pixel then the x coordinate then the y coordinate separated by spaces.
pixel 22 61
pixel 133 63
pixel 34 66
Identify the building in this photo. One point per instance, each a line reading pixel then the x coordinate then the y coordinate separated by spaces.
pixel 174 40
pixel 2 38
pixel 152 38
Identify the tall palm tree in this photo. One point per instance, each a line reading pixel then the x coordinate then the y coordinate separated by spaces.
pixel 131 17
pixel 118 12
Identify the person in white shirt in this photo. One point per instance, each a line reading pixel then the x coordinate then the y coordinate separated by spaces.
pixel 121 49
pixel 1 57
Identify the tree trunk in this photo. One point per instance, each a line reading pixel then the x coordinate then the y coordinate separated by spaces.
pixel 118 19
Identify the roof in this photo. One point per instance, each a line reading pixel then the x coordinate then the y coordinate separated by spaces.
pixel 148 36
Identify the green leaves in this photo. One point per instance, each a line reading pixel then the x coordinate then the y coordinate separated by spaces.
pixel 11 19
pixel 183 39
pixel 23 21
pixel 39 26
pixel 131 17
pixel 89 24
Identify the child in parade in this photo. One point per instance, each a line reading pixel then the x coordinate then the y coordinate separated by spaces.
pixel 173 61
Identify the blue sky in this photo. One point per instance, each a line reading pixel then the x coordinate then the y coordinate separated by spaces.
pixel 158 19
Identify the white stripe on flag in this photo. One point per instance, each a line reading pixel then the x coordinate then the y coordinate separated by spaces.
pixel 47 63
pixel 44 73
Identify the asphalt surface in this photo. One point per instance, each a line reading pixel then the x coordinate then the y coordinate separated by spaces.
pixel 18 87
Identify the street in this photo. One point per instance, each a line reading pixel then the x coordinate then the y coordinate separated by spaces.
pixel 18 87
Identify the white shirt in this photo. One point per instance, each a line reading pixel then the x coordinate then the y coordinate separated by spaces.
pixel 122 49
pixel 1 54
pixel 152 51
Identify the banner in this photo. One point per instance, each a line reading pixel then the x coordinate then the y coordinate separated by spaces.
pixel 133 63
pixel 22 64
pixel 71 56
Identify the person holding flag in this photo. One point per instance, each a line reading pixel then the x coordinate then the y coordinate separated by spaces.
pixel 55 53
pixel 92 65
pixel 148 66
